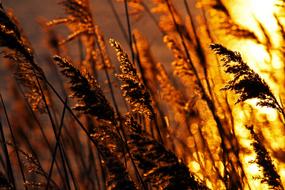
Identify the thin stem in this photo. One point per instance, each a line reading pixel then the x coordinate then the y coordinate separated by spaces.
pixel 117 17
pixel 47 107
pixel 14 140
pixel 129 30
pixel 209 102
pixel 8 161
pixel 145 83
pixel 55 150
pixel 41 130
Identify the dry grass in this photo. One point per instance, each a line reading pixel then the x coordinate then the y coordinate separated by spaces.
pixel 90 118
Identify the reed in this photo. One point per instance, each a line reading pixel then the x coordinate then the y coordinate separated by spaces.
pixel 150 110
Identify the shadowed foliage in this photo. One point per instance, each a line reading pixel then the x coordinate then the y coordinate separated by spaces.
pixel 160 167
pixel 246 82
pixel 157 120
pixel 263 159
pixel 86 90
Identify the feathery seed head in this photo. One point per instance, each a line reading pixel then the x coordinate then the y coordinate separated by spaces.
pixel 85 88
pixel 133 90
pixel 263 159
pixel 246 82
pixel 160 166
pixel 19 52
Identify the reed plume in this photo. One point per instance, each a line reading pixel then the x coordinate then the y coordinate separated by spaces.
pixel 180 63
pixel 110 147
pixel 200 145
pixel 136 8
pixel 88 92
pixel 34 170
pixel 133 89
pixel 169 93
pixel 160 166
pixel 11 35
pixel 105 59
pixel 166 23
pixel 146 61
pixel 108 142
pixel 80 21
pixel 246 82
pixel 20 54
pixel 228 25
pixel 263 159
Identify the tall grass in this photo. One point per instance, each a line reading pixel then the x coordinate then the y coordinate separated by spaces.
pixel 132 115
